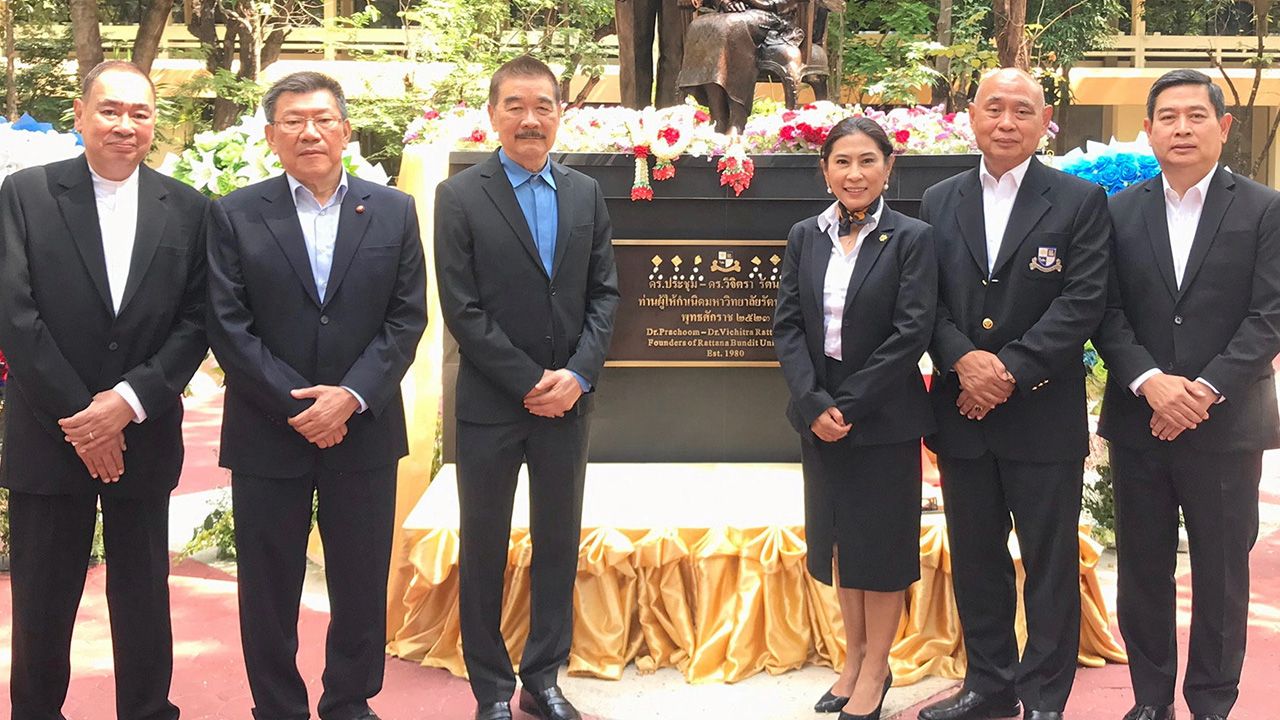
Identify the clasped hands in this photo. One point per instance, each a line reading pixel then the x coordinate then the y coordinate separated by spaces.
pixel 324 423
pixel 1177 404
pixel 97 433
pixel 984 383
pixel 554 395
pixel 830 425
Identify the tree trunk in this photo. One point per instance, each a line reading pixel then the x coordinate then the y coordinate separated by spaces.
pixel 87 36
pixel 146 44
pixel 10 62
pixel 942 86
pixel 1011 33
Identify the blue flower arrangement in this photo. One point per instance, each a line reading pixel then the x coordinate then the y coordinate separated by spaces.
pixel 1114 171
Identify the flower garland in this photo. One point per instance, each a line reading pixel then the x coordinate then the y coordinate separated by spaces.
pixel 27 143
pixel 1115 166
pixel 666 134
pixel 218 163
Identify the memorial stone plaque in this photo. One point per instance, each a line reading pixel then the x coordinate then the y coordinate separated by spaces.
pixel 688 303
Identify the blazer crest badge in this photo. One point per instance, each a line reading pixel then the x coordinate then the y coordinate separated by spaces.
pixel 1047 260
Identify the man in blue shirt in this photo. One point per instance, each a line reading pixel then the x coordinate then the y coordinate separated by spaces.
pixel 528 287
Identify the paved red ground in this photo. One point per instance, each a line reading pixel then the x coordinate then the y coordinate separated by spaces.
pixel 209 679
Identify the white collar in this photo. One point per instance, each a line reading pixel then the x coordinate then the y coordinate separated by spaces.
pixel 1203 185
pixel 105 186
pixel 1017 173
pixel 336 199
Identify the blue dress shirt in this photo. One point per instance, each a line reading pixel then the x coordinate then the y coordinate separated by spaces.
pixel 536 193
pixel 320 234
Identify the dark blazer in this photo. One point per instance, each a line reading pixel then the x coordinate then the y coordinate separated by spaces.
pixel 1223 324
pixel 888 320
pixel 64 341
pixel 1039 320
pixel 271 333
pixel 510 320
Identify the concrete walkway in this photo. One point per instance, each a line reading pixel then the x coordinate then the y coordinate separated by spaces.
pixel 209 679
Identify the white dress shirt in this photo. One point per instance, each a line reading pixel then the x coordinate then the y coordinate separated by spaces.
pixel 835 285
pixel 997 204
pixel 1182 215
pixel 118 222
pixel 320 235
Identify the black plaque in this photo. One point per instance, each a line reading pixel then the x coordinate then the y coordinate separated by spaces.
pixel 696 302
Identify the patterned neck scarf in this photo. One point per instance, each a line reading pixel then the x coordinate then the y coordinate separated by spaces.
pixel 850 219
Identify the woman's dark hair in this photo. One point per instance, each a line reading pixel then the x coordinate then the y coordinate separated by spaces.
pixel 853 126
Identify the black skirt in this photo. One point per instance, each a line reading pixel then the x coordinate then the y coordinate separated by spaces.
pixel 865 500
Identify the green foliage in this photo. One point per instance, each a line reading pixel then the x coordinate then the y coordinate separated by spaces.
pixel 378 124
pixel 44 87
pixel 188 109
pixel 1062 31
pixel 1201 17
pixel 886 49
pixel 218 531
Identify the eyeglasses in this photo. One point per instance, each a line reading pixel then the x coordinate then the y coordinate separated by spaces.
pixel 295 125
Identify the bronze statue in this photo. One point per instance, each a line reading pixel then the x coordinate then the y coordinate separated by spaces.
pixel 635 21
pixel 731 42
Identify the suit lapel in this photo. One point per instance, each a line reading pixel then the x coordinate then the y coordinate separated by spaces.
pixel 1028 207
pixel 281 217
pixel 815 261
pixel 80 213
pixel 1157 221
pixel 152 216
pixel 872 247
pixel 564 216
pixel 970 218
pixel 1219 197
pixel 351 229
pixel 498 187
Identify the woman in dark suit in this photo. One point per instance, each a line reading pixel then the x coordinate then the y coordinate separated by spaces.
pixel 855 313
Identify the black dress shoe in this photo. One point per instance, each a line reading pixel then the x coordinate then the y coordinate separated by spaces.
pixel 1042 715
pixel 829 703
pixel 969 705
pixel 549 704
pixel 874 714
pixel 494 711
pixel 1150 712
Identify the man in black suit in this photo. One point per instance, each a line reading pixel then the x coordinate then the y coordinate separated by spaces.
pixel 1188 337
pixel 528 287
pixel 1022 252
pixel 102 270
pixel 317 299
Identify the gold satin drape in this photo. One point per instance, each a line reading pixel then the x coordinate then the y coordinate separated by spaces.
pixel 719 604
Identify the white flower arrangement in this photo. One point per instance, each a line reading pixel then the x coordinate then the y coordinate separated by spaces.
pixel 26 143
pixel 218 163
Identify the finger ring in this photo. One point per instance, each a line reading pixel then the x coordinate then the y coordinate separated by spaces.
pixel 90 434
pixel 978 408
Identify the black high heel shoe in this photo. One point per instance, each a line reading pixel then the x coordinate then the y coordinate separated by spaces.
pixel 874 714
pixel 830 703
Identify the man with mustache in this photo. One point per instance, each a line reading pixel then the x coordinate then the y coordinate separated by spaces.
pixel 317 300
pixel 524 260
pixel 102 295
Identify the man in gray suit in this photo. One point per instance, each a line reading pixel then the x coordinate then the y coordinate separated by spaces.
pixel 524 260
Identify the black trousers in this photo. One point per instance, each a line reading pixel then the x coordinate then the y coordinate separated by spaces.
pixel 356 514
pixel 986 498
pixel 50 540
pixel 489 459
pixel 636 21
pixel 1218 496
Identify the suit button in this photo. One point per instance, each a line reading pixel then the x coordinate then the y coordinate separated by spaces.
pixel 553 289
pixel 324 319
pixel 1177 319
pixel 113 345
pixel 984 282
pixel 547 339
pixel 987 323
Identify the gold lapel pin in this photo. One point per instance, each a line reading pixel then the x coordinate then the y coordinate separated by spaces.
pixel 359 209
pixel 884 237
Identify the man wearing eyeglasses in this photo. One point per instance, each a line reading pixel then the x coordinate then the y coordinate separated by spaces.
pixel 317 300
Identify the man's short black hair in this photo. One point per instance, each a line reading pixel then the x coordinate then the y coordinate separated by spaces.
pixel 1174 78
pixel 523 66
